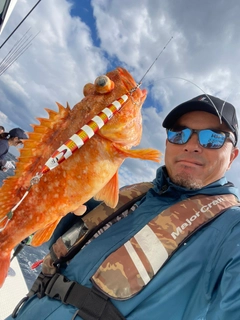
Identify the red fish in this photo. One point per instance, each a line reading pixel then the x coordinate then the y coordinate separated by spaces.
pixel 91 171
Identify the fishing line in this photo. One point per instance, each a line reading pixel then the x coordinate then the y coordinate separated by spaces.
pixel 15 58
pixel 14 46
pixel 218 114
pixel 18 49
pixel 226 100
pixel 15 49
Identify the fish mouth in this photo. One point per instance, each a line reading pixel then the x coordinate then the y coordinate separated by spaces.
pixel 144 96
pixel 141 95
pixel 144 93
pixel 130 84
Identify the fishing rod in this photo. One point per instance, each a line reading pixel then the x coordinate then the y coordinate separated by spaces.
pixel 140 82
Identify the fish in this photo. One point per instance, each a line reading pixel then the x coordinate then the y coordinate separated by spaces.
pixel 91 171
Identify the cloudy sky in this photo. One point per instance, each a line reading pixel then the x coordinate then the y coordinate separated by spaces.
pixel 76 41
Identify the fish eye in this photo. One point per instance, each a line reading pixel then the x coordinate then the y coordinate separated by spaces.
pixel 102 81
pixel 103 84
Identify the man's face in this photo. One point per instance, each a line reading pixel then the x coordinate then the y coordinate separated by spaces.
pixel 16 142
pixel 192 166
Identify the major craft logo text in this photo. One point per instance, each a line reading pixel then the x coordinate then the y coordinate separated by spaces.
pixel 188 222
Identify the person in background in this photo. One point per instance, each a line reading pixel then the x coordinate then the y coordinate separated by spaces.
pixel 174 254
pixel 7 139
pixel 2 129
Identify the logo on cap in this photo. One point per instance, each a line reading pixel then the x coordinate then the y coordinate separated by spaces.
pixel 202 98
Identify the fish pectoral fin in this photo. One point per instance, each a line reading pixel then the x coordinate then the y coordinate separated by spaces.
pixel 4 267
pixel 143 154
pixel 109 193
pixel 80 210
pixel 44 234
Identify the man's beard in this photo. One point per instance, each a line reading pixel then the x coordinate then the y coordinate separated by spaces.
pixel 187 181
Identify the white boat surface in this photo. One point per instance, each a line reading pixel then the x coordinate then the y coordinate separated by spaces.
pixel 13 290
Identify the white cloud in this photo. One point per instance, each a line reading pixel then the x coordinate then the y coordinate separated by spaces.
pixel 205 50
pixel 59 62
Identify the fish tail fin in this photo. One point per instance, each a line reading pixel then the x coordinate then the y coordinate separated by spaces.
pixel 4 266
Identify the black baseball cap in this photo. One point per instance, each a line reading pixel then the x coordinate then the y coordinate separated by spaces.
pixel 18 132
pixel 205 103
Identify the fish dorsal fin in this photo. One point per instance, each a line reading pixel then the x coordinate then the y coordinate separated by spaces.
pixel 109 193
pixel 35 151
pixel 35 148
pixel 44 235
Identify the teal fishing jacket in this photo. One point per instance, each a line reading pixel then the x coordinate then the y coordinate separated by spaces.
pixel 201 281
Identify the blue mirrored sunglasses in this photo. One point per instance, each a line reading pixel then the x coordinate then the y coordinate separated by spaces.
pixel 207 138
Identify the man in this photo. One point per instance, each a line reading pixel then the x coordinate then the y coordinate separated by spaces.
pixel 13 138
pixel 139 261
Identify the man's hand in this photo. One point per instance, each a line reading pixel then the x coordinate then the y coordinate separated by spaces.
pixel 8 165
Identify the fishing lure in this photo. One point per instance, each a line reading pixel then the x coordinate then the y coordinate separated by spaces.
pixel 77 140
